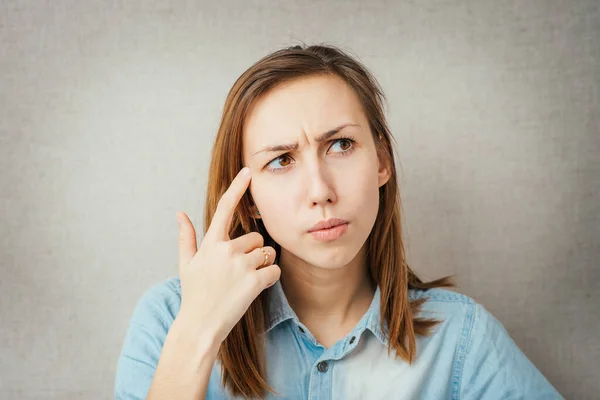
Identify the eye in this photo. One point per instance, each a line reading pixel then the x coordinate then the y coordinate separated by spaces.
pixel 282 164
pixel 346 145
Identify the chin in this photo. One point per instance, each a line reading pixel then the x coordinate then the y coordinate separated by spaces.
pixel 325 258
pixel 331 261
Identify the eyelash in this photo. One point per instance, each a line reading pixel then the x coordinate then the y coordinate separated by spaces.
pixel 345 152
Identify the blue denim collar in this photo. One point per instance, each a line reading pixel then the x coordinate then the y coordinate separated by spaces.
pixel 281 311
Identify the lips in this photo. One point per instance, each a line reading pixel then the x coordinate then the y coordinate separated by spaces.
pixel 330 223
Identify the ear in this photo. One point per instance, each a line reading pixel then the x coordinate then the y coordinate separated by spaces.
pixel 383 173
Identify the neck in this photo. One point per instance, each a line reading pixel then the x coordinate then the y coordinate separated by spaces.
pixel 327 298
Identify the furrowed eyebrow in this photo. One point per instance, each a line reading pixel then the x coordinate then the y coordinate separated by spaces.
pixel 294 146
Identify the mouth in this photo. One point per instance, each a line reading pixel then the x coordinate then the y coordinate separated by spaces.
pixel 330 223
pixel 329 230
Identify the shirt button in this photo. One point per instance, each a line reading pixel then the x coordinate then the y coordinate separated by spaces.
pixel 301 330
pixel 323 366
pixel 352 339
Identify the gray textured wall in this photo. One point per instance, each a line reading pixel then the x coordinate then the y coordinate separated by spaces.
pixel 107 114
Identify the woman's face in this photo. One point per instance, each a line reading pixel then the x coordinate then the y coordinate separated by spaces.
pixel 312 180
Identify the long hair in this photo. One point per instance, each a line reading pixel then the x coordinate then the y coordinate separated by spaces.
pixel 242 353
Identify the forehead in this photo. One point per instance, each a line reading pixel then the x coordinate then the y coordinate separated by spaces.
pixel 309 105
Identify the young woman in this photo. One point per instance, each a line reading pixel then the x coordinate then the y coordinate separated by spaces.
pixel 300 288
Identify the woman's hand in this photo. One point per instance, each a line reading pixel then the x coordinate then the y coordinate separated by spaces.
pixel 220 281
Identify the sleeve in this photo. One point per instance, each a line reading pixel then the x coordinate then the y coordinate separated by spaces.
pixel 495 367
pixel 152 317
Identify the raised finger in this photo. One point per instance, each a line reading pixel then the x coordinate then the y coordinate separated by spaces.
pixel 221 221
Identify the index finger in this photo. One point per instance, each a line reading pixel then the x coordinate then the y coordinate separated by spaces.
pixel 219 227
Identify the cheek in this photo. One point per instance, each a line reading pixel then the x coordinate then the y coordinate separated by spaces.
pixel 274 206
pixel 359 185
pixel 271 201
pixel 361 200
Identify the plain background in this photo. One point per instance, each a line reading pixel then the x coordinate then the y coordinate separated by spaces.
pixel 108 110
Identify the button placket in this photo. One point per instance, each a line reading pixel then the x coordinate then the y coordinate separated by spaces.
pixel 319 387
pixel 323 366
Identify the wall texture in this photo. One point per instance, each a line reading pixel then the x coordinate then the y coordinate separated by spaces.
pixel 108 110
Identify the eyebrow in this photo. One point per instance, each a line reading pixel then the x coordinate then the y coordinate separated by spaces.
pixel 294 146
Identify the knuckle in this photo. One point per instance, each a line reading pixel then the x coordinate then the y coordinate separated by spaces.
pixel 275 273
pixel 229 250
pixel 226 248
pixel 271 253
pixel 238 262
pixel 257 237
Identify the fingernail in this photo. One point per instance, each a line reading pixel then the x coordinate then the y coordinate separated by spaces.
pixel 245 172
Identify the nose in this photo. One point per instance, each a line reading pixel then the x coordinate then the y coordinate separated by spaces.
pixel 320 189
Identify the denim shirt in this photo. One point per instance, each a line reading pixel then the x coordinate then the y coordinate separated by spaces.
pixel 469 355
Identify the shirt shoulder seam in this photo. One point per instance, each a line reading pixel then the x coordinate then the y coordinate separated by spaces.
pixel 463 348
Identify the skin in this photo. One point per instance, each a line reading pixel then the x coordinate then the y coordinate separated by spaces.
pixel 326 283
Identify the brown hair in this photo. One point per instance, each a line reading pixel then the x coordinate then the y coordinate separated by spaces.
pixel 241 354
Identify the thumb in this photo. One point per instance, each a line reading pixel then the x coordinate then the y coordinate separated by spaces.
pixel 187 240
